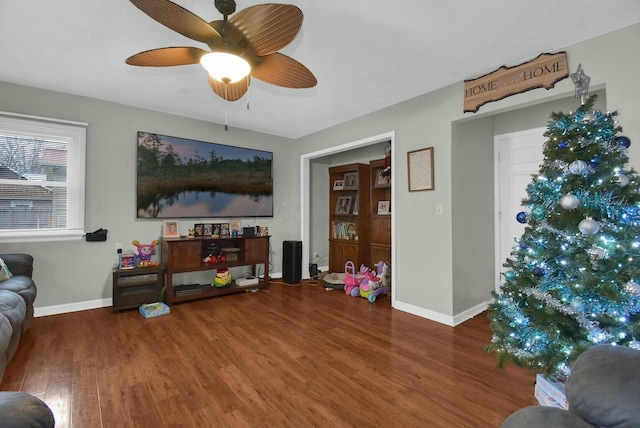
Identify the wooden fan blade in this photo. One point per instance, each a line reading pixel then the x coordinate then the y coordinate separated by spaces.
pixel 229 91
pixel 167 57
pixel 268 27
pixel 179 19
pixel 280 70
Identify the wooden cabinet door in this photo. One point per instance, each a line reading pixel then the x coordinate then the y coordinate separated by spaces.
pixel 255 249
pixel 336 263
pixel 340 253
pixel 380 252
pixel 380 231
pixel 185 254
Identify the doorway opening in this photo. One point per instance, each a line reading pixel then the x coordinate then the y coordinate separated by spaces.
pixel 305 189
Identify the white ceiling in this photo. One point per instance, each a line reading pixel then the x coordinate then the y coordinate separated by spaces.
pixel 366 54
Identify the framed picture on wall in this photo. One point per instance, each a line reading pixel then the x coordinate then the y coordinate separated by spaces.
pixel 420 168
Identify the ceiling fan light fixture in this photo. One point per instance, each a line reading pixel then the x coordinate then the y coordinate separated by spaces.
pixel 225 67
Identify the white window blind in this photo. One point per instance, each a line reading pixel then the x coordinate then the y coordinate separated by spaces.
pixel 42 175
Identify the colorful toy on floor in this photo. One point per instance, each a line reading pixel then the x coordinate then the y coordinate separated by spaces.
pixel 350 280
pixel 382 269
pixel 366 283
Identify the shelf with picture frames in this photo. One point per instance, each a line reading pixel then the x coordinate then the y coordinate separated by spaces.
pixel 349 207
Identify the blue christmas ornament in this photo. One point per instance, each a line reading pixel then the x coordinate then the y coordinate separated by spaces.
pixel 539 213
pixel 521 217
pixel 562 145
pixel 623 141
pixel 510 275
pixel 538 272
pixel 595 161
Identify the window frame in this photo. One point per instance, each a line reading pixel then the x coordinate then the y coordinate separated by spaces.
pixel 75 134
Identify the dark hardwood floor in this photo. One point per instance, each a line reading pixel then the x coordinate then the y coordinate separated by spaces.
pixel 293 356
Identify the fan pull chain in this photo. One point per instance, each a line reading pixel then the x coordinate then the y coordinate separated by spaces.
pixel 248 94
pixel 226 107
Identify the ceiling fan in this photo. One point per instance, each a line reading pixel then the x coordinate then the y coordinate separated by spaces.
pixel 244 46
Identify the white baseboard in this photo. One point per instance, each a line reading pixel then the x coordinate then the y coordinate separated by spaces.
pixel 424 313
pixel 470 313
pixel 71 307
pixel 442 318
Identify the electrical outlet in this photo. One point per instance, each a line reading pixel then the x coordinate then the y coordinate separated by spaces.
pixel 118 247
pixel 439 209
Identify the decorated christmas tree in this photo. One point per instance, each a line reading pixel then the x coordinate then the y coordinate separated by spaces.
pixel 571 281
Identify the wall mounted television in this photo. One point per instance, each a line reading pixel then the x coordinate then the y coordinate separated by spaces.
pixel 182 178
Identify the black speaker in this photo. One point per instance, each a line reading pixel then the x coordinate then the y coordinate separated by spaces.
pixel 292 261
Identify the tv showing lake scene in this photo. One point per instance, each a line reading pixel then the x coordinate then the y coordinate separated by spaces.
pixel 182 178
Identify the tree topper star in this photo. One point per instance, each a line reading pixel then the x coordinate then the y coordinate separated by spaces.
pixel 581 81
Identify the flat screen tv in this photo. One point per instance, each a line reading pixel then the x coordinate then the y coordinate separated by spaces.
pixel 182 178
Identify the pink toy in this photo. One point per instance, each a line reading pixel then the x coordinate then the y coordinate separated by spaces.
pixel 350 281
pixel 145 251
pixel 366 283
pixel 370 282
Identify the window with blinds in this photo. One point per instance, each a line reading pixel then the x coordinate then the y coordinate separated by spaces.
pixel 42 168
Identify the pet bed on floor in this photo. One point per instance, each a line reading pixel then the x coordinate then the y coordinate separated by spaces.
pixel 334 280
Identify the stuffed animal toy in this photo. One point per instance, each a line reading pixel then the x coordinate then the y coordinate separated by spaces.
pixel 145 251
pixel 223 278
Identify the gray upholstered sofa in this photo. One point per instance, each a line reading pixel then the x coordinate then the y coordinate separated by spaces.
pixel 603 391
pixel 17 295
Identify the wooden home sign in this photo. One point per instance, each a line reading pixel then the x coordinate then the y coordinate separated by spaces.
pixel 544 71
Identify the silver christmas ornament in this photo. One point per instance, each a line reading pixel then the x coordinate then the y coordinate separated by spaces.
pixel 597 253
pixel 578 167
pixel 623 180
pixel 588 117
pixel 633 287
pixel 588 226
pixel 570 202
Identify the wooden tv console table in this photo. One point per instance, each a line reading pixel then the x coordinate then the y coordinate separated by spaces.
pixel 188 255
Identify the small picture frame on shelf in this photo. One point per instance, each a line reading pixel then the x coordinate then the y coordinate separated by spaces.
pixel 343 206
pixel 224 229
pixel 127 261
pixel 338 185
pixel 382 180
pixel 207 229
pixel 350 181
pixel 215 230
pixel 355 207
pixel 170 229
pixel 234 227
pixel 198 230
pixel 384 208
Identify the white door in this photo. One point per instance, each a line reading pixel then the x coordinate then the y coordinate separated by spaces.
pixel 518 157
